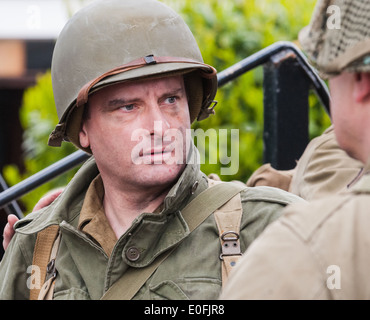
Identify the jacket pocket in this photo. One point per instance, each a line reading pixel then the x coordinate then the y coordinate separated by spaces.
pixel 185 289
pixel 72 294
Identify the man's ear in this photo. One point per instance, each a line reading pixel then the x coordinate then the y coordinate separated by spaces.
pixel 361 90
pixel 83 136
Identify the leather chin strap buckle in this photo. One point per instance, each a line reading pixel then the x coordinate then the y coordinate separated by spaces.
pixel 205 113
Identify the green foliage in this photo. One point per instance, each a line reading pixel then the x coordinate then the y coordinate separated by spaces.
pixel 227 32
pixel 38 118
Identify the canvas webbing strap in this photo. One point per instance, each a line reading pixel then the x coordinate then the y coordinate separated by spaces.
pixel 47 290
pixel 228 219
pixel 194 214
pixel 41 257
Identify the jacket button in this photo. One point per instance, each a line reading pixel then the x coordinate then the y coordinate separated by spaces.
pixel 132 254
pixel 194 187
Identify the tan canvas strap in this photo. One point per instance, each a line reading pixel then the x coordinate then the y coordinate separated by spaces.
pixel 47 290
pixel 41 256
pixel 228 219
pixel 138 63
pixel 194 214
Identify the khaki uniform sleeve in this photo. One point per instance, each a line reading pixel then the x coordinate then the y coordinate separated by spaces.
pixel 266 175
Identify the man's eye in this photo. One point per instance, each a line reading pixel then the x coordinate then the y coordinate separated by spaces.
pixel 171 100
pixel 128 107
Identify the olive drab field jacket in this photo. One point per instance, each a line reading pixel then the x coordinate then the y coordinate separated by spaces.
pixel 86 271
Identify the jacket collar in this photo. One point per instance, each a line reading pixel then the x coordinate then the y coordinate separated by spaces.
pixel 363 183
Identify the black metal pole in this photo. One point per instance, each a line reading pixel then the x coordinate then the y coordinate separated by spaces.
pixel 286 113
pixel 12 207
pixel 42 176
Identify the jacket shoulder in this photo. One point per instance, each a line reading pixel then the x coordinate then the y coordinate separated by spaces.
pixel 269 194
pixel 261 206
pixel 306 219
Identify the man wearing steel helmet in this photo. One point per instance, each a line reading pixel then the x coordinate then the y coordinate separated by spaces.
pixel 124 67
pixel 321 250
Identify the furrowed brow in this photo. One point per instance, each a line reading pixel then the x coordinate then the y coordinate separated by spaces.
pixel 119 102
pixel 174 92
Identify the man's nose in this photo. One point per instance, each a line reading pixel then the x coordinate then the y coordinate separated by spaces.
pixel 157 122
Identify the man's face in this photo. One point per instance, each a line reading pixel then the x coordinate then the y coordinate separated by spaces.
pixel 122 116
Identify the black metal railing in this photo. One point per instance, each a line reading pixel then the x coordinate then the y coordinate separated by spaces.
pixel 266 55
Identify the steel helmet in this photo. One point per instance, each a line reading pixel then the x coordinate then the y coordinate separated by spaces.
pixel 111 41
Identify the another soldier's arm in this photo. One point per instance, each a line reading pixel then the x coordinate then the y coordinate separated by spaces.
pixel 266 175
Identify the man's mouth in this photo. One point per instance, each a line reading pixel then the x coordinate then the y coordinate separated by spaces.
pixel 156 155
pixel 153 152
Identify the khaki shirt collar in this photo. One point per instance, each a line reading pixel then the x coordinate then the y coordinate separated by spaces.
pixel 363 183
pixel 93 220
pixel 367 166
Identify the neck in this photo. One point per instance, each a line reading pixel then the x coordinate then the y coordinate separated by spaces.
pixel 122 206
pixel 361 145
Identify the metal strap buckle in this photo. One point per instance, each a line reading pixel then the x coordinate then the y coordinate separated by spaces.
pixel 230 244
pixel 205 113
pixel 51 271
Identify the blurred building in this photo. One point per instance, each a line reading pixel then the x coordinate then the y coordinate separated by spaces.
pixel 28 31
